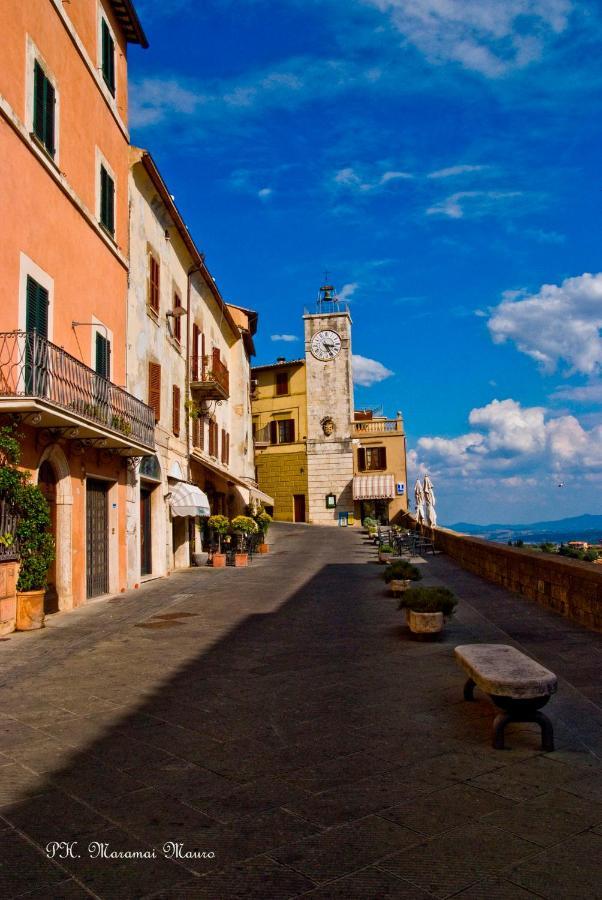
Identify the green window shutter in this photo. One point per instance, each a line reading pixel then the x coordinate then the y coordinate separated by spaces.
pixel 36 315
pixel 107 200
pixel 49 117
pixel 108 57
pixel 38 101
pixel 103 356
pixel 44 99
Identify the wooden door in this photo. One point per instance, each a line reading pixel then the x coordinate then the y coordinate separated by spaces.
pixel 299 507
pixel 97 538
pixel 146 558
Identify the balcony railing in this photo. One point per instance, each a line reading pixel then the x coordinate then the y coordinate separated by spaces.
pixel 212 382
pixel 32 367
pixel 261 437
pixel 378 426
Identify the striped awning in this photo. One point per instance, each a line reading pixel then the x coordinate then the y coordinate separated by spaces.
pixel 188 500
pixel 373 487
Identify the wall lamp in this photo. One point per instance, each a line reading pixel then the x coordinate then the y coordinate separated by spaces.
pixel 176 313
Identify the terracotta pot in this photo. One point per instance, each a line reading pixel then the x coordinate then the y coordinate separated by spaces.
pixel 30 610
pixel 241 559
pixel 219 560
pixel 263 548
pixel 9 572
pixel 424 623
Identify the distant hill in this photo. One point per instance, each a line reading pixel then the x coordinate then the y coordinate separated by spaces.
pixel 587 527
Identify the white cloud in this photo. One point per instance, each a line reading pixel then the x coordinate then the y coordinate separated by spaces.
pixel 347 291
pixel 509 441
pixel 586 393
pixel 367 372
pixel 452 171
pixel 265 193
pixel 351 179
pixel 471 203
pixel 560 322
pixel 492 37
pixel 288 338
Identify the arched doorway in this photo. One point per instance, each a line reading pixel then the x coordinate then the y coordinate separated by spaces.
pixel 54 479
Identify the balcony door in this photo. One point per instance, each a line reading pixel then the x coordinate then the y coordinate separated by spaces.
pixel 97 538
pixel 36 351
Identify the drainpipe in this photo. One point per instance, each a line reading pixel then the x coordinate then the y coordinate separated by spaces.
pixel 191 272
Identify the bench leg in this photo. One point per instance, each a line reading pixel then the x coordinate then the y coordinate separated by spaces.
pixel 469 689
pixel 499 723
pixel 547 732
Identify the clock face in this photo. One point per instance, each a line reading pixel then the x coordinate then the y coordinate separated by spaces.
pixel 325 345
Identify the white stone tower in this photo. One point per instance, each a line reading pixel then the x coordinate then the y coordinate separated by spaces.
pixel 330 409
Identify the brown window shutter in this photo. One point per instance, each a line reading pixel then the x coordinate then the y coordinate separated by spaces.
pixel 176 410
pixel 227 449
pixel 382 457
pixel 273 432
pixel 281 383
pixel 361 459
pixel 153 294
pixel 201 433
pixel 194 356
pixel 223 445
pixel 154 388
pixel 203 357
pixel 196 429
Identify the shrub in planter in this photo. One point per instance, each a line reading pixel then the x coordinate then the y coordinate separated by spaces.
pixel 243 525
pixel 429 600
pixel 220 525
pixel 32 535
pixel 369 523
pixel 401 570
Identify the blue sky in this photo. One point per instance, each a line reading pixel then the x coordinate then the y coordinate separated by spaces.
pixel 441 159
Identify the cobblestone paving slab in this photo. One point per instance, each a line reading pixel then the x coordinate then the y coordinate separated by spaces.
pixel 282 729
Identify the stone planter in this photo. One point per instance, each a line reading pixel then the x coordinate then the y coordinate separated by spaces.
pixel 219 560
pixel 9 572
pixel 399 585
pixel 263 548
pixel 424 623
pixel 241 560
pixel 199 559
pixel 385 557
pixel 30 610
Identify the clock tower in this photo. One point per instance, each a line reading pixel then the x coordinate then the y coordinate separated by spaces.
pixel 330 409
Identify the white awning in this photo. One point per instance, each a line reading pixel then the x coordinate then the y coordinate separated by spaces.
pixel 256 494
pixel 188 500
pixel 373 487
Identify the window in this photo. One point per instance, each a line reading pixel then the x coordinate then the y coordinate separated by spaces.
pixel 153 283
pixel 154 388
pixel 281 383
pixel 44 100
pixel 371 459
pixel 223 445
pixel 107 56
pixel 213 438
pixel 282 431
pixel 177 320
pixel 103 355
pixel 198 433
pixel 176 410
pixel 194 356
pixel 107 201
pixel 36 315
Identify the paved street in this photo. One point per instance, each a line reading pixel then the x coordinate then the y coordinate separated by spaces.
pixel 279 724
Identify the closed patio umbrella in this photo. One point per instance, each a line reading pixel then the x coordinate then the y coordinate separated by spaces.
pixel 430 500
pixel 419 501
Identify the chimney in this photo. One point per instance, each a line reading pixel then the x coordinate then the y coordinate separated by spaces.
pixel 281 359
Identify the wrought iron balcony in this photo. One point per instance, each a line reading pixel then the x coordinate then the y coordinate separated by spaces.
pixel 261 437
pixel 56 391
pixel 212 380
pixel 378 426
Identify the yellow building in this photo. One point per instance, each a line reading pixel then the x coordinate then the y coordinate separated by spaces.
pixel 279 407
pixel 320 460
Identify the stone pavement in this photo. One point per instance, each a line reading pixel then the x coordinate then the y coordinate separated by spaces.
pixel 281 726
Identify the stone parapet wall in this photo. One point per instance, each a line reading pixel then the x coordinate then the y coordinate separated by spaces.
pixel 569 587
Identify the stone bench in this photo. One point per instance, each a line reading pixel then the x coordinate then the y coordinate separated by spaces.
pixel 517 685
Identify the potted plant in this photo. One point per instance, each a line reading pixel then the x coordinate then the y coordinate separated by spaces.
pixel 385 552
pixel 243 526
pixel 426 608
pixel 264 520
pixel 369 524
pixel 400 574
pixel 220 525
pixel 32 538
